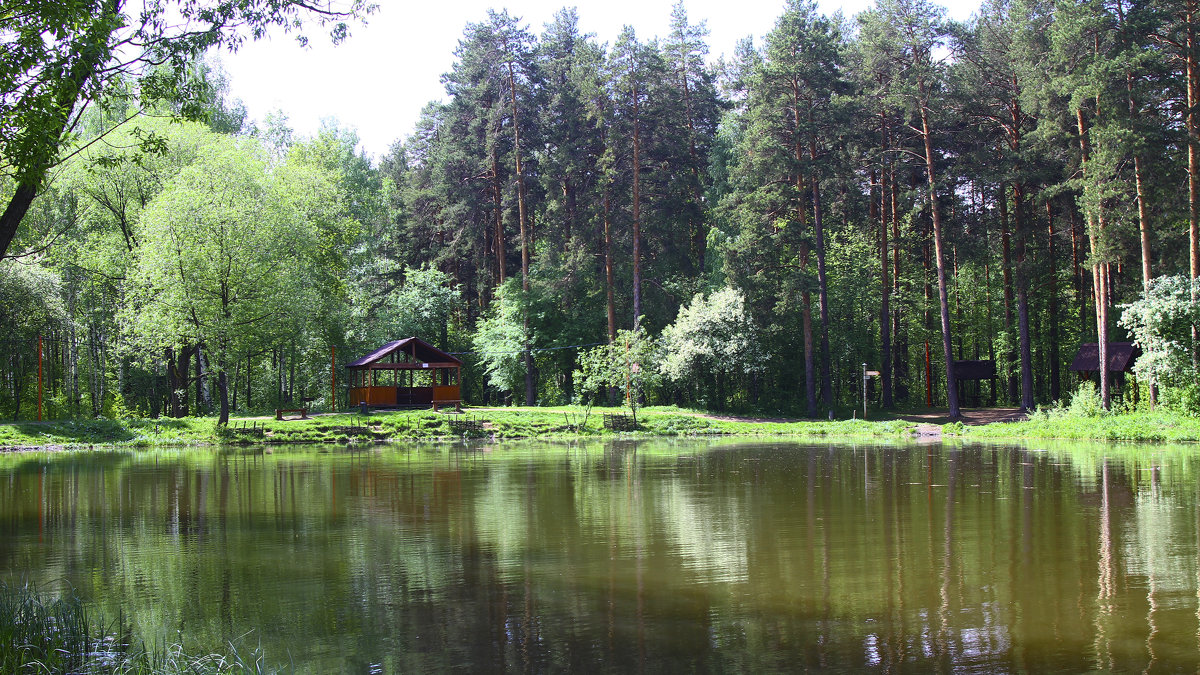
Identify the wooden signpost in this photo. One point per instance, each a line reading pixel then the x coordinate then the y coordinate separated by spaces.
pixel 867 375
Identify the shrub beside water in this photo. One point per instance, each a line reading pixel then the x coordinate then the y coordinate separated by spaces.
pixel 58 635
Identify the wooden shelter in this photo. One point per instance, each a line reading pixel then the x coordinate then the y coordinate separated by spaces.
pixel 408 372
pixel 973 371
pixel 1121 356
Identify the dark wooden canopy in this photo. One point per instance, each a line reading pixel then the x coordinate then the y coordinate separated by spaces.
pixel 974 370
pixel 1121 356
pixel 370 382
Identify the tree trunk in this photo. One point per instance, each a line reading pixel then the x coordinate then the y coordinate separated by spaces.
pixel 530 392
pixel 1096 227
pixel 1193 134
pixel 17 207
pixel 899 338
pixel 940 257
pixel 608 271
pixel 498 207
pixel 1023 300
pixel 637 212
pixel 223 393
pixel 810 375
pixel 822 285
pixel 92 50
pixel 1055 357
pixel 237 368
pixel 885 290
pixel 249 381
pixel 699 237
pixel 1010 377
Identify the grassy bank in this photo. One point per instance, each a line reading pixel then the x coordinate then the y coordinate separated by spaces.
pixel 496 423
pixel 59 635
pixel 1159 426
pixel 571 422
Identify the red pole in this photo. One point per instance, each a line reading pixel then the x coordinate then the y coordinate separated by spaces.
pixel 928 378
pixel 39 378
pixel 333 378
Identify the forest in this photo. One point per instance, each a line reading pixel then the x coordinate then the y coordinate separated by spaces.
pixel 575 219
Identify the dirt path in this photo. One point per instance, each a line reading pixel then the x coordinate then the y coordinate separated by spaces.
pixel 970 417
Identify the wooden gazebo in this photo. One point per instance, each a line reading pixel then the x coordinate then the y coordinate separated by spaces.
pixel 408 372
pixel 973 371
pixel 1121 357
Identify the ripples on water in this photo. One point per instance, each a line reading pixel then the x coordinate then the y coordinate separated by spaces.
pixel 622 557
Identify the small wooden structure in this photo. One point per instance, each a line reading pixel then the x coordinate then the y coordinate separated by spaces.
pixel 1121 357
pixel 408 372
pixel 973 371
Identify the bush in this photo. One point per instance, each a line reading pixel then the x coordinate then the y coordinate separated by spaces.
pixel 1086 402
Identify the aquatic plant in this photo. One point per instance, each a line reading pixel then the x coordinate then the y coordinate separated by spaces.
pixel 42 634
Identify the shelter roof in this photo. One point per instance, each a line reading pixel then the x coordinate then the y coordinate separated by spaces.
pixel 1121 356
pixel 974 370
pixel 421 351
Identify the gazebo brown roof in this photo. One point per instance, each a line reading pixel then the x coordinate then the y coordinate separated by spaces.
pixel 423 354
pixel 1121 356
pixel 371 384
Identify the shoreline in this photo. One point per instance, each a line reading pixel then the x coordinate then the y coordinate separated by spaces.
pixel 567 423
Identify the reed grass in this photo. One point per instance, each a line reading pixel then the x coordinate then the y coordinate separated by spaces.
pixel 59 635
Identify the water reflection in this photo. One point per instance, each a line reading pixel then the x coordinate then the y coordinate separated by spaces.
pixel 629 557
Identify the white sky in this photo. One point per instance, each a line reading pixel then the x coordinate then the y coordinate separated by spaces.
pixel 378 80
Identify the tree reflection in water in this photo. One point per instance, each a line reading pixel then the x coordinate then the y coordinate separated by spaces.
pixel 629 557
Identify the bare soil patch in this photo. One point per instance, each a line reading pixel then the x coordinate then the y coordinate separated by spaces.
pixel 970 417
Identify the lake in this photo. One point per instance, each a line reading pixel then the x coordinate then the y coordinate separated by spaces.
pixel 623 557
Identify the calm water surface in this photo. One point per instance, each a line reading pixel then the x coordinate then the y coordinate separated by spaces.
pixel 648 557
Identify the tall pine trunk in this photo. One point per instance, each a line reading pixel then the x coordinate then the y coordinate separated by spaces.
pixel 1010 377
pixel 1192 72
pixel 822 283
pixel 1022 228
pixel 498 209
pixel 1052 263
pixel 885 288
pixel 899 339
pixel 1096 226
pixel 940 257
pixel 608 272
pixel 810 380
pixel 637 211
pixel 696 230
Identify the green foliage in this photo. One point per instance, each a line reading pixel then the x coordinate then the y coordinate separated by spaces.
pixel 263 252
pixel 1085 402
pixel 1161 322
pixel 629 364
pixel 713 335
pixel 423 305
pixel 501 340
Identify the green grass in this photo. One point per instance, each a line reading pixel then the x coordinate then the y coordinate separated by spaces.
pixel 350 427
pixel 569 422
pixel 1158 426
pixel 58 635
